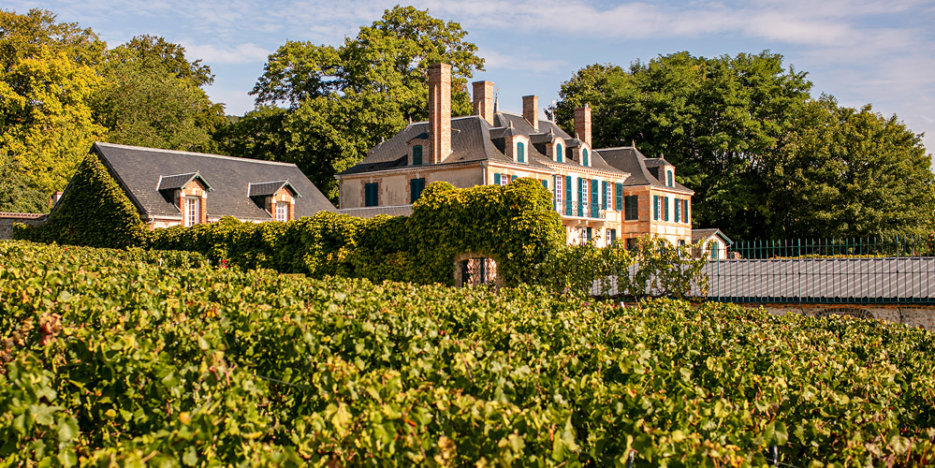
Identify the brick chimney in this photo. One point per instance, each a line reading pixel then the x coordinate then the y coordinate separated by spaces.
pixel 531 110
pixel 440 111
pixel 583 123
pixel 483 100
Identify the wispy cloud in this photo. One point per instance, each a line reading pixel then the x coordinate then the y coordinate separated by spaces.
pixel 225 54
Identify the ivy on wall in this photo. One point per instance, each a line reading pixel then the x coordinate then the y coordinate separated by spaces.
pixel 94 211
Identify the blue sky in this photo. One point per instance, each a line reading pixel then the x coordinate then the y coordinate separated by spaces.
pixel 877 52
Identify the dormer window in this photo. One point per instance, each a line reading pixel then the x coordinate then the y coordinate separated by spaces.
pixel 670 179
pixel 520 152
pixel 585 157
pixel 189 193
pixel 276 197
pixel 417 155
pixel 191 211
pixel 559 152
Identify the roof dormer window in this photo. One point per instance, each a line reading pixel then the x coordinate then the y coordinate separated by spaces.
pixel 585 157
pixel 559 152
pixel 416 155
pixel 670 178
pixel 520 152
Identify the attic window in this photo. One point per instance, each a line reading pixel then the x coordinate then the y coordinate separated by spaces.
pixel 669 179
pixel 585 159
pixel 417 155
pixel 559 152
pixel 520 152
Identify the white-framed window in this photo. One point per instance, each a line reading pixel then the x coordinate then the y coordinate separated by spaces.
pixel 558 191
pixel 192 211
pixel 282 212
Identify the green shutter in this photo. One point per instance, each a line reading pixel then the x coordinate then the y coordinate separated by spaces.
pixel 604 192
pixel 513 178
pixel 580 196
pixel 656 207
pixel 613 236
pixel 584 157
pixel 520 152
pixel 496 178
pixel 416 155
pixel 545 184
pixel 685 211
pixel 415 189
pixel 618 195
pixel 678 209
pixel 559 153
pixel 665 208
pixel 595 198
pixel 568 195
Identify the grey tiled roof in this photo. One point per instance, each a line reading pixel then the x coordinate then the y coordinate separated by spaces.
pixel 473 139
pixel 371 211
pixel 699 234
pixel 177 181
pixel 629 159
pixel 138 171
pixel 265 189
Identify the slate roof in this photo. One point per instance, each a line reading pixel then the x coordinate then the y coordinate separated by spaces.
pixel 266 189
pixel 699 234
pixel 178 181
pixel 629 159
pixel 138 171
pixel 474 139
pixel 371 211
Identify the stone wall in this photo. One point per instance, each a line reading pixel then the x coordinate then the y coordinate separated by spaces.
pixel 913 316
pixel 7 220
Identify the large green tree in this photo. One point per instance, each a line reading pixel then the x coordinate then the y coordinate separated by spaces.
pixel 47 80
pixel 343 100
pixel 731 125
pixel 155 97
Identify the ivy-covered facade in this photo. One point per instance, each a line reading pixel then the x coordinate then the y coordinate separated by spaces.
pixel 600 200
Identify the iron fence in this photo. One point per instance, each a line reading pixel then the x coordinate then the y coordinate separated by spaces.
pixel 899 270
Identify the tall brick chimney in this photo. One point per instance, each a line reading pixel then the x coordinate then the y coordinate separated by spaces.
pixel 531 110
pixel 583 123
pixel 483 100
pixel 440 111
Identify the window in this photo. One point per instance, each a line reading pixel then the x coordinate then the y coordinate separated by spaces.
pixel 713 250
pixel 656 207
pixel 632 243
pixel 512 178
pixel 632 208
pixel 372 194
pixel 669 179
pixel 520 152
pixel 545 183
pixel 558 193
pixel 618 198
pixel 416 155
pixel 192 211
pixel 496 178
pixel 678 209
pixel 685 211
pixel 416 186
pixel 559 153
pixel 607 197
pixel 282 212
pixel 584 157
pixel 611 237
pixel 587 234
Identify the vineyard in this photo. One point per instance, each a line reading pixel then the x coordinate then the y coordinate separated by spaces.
pixel 146 357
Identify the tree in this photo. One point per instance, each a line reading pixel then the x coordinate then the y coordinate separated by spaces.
pixel 343 100
pixel 155 98
pixel 46 125
pixel 731 125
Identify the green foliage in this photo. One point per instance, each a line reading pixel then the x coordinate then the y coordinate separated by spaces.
pixel 94 211
pixel 765 160
pixel 111 360
pixel 17 193
pixel 343 100
pixel 155 97
pixel 514 224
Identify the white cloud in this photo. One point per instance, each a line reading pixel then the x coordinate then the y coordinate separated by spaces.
pixel 494 60
pixel 239 54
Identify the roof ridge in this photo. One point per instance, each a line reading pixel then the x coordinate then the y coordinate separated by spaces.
pixel 192 153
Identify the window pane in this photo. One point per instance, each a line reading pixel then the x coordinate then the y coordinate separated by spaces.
pixel 416 155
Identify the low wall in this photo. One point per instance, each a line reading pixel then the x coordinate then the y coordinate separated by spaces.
pixel 913 316
pixel 7 220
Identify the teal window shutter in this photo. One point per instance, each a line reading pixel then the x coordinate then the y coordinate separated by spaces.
pixel 595 198
pixel 613 236
pixel 568 195
pixel 415 189
pixel 371 194
pixel 589 234
pixel 416 155
pixel 545 184
pixel 584 157
pixel 678 209
pixel 604 191
pixel 685 211
pixel 580 196
pixel 618 196
pixel 520 152
pixel 665 208
pixel 496 178
pixel 669 180
pixel 559 153
pixel 513 178
pixel 656 207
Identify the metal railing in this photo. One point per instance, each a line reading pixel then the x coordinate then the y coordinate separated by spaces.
pixel 898 270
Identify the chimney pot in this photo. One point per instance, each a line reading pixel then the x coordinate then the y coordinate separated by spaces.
pixel 440 111
pixel 483 100
pixel 583 123
pixel 531 110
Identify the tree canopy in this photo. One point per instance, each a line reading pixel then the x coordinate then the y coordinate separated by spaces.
pixel 741 129
pixel 343 100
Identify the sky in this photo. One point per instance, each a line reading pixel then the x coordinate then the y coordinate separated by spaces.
pixel 861 52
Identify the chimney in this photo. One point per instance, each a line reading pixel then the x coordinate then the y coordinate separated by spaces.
pixel 531 110
pixel 583 123
pixel 483 100
pixel 440 111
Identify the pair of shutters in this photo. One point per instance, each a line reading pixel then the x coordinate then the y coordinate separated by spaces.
pixel 371 194
pixel 416 186
pixel 503 179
